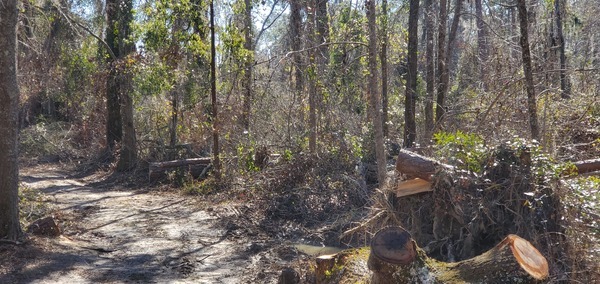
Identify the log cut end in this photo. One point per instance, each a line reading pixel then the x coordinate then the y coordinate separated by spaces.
pixel 393 245
pixel 412 186
pixel 528 257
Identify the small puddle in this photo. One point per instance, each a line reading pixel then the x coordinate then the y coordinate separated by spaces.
pixel 316 250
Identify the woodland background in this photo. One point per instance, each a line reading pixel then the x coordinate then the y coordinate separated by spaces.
pixel 326 86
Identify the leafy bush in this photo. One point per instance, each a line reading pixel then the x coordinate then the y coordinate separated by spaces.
pixel 466 151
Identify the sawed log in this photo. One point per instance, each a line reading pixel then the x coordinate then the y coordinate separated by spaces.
pixel 417 166
pixel 196 167
pixel 395 258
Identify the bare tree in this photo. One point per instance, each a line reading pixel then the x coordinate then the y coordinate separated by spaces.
pixel 384 67
pixel 248 64
pixel 312 85
pixel 482 44
pixel 10 228
pixel 526 55
pixel 441 59
pixel 374 100
pixel 213 94
pixel 560 40
pixel 429 70
pixel 444 63
pixel 295 27
pixel 410 127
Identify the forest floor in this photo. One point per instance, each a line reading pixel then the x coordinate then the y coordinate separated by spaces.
pixel 123 233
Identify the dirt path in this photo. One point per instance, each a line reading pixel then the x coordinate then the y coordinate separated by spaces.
pixel 116 235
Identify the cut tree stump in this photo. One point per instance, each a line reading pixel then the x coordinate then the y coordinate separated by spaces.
pixel 395 258
pixel 46 226
pixel 197 167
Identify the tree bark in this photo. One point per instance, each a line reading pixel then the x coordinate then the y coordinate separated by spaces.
pixel 444 72
pixel 410 127
pixel 482 44
pixel 416 166
pixel 114 122
pixel 128 154
pixel 248 64
pixel 429 71
pixel 527 69
pixel 173 58
pixel 10 229
pixel 564 83
pixel 295 25
pixel 374 100
pixel 384 67
pixel 213 94
pixel 312 85
pixel 441 58
pixel 322 23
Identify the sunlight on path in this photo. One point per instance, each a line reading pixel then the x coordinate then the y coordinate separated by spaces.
pixel 120 235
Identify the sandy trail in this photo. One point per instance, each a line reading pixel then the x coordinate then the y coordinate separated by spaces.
pixel 122 235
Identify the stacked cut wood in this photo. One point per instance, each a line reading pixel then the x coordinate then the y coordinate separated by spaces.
pixel 394 257
pixel 196 167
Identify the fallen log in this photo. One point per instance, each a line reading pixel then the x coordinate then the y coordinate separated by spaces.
pixel 197 167
pixel 395 258
pixel 587 166
pixel 417 166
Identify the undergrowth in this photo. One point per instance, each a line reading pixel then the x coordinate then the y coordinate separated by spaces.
pixel 33 205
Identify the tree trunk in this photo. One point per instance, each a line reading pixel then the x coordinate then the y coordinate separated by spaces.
pixel 114 123
pixel 322 22
pixel 248 64
pixel 441 58
pixel 10 229
pixel 128 154
pixel 395 258
pixel 482 44
pixel 312 84
pixel 564 81
pixel 120 125
pixel 384 67
pixel 213 94
pixel 527 69
pixel 410 127
pixel 374 101
pixel 444 73
pixel 173 58
pixel 429 71
pixel 295 36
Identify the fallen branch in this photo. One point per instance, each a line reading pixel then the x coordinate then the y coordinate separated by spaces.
pixel 197 167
